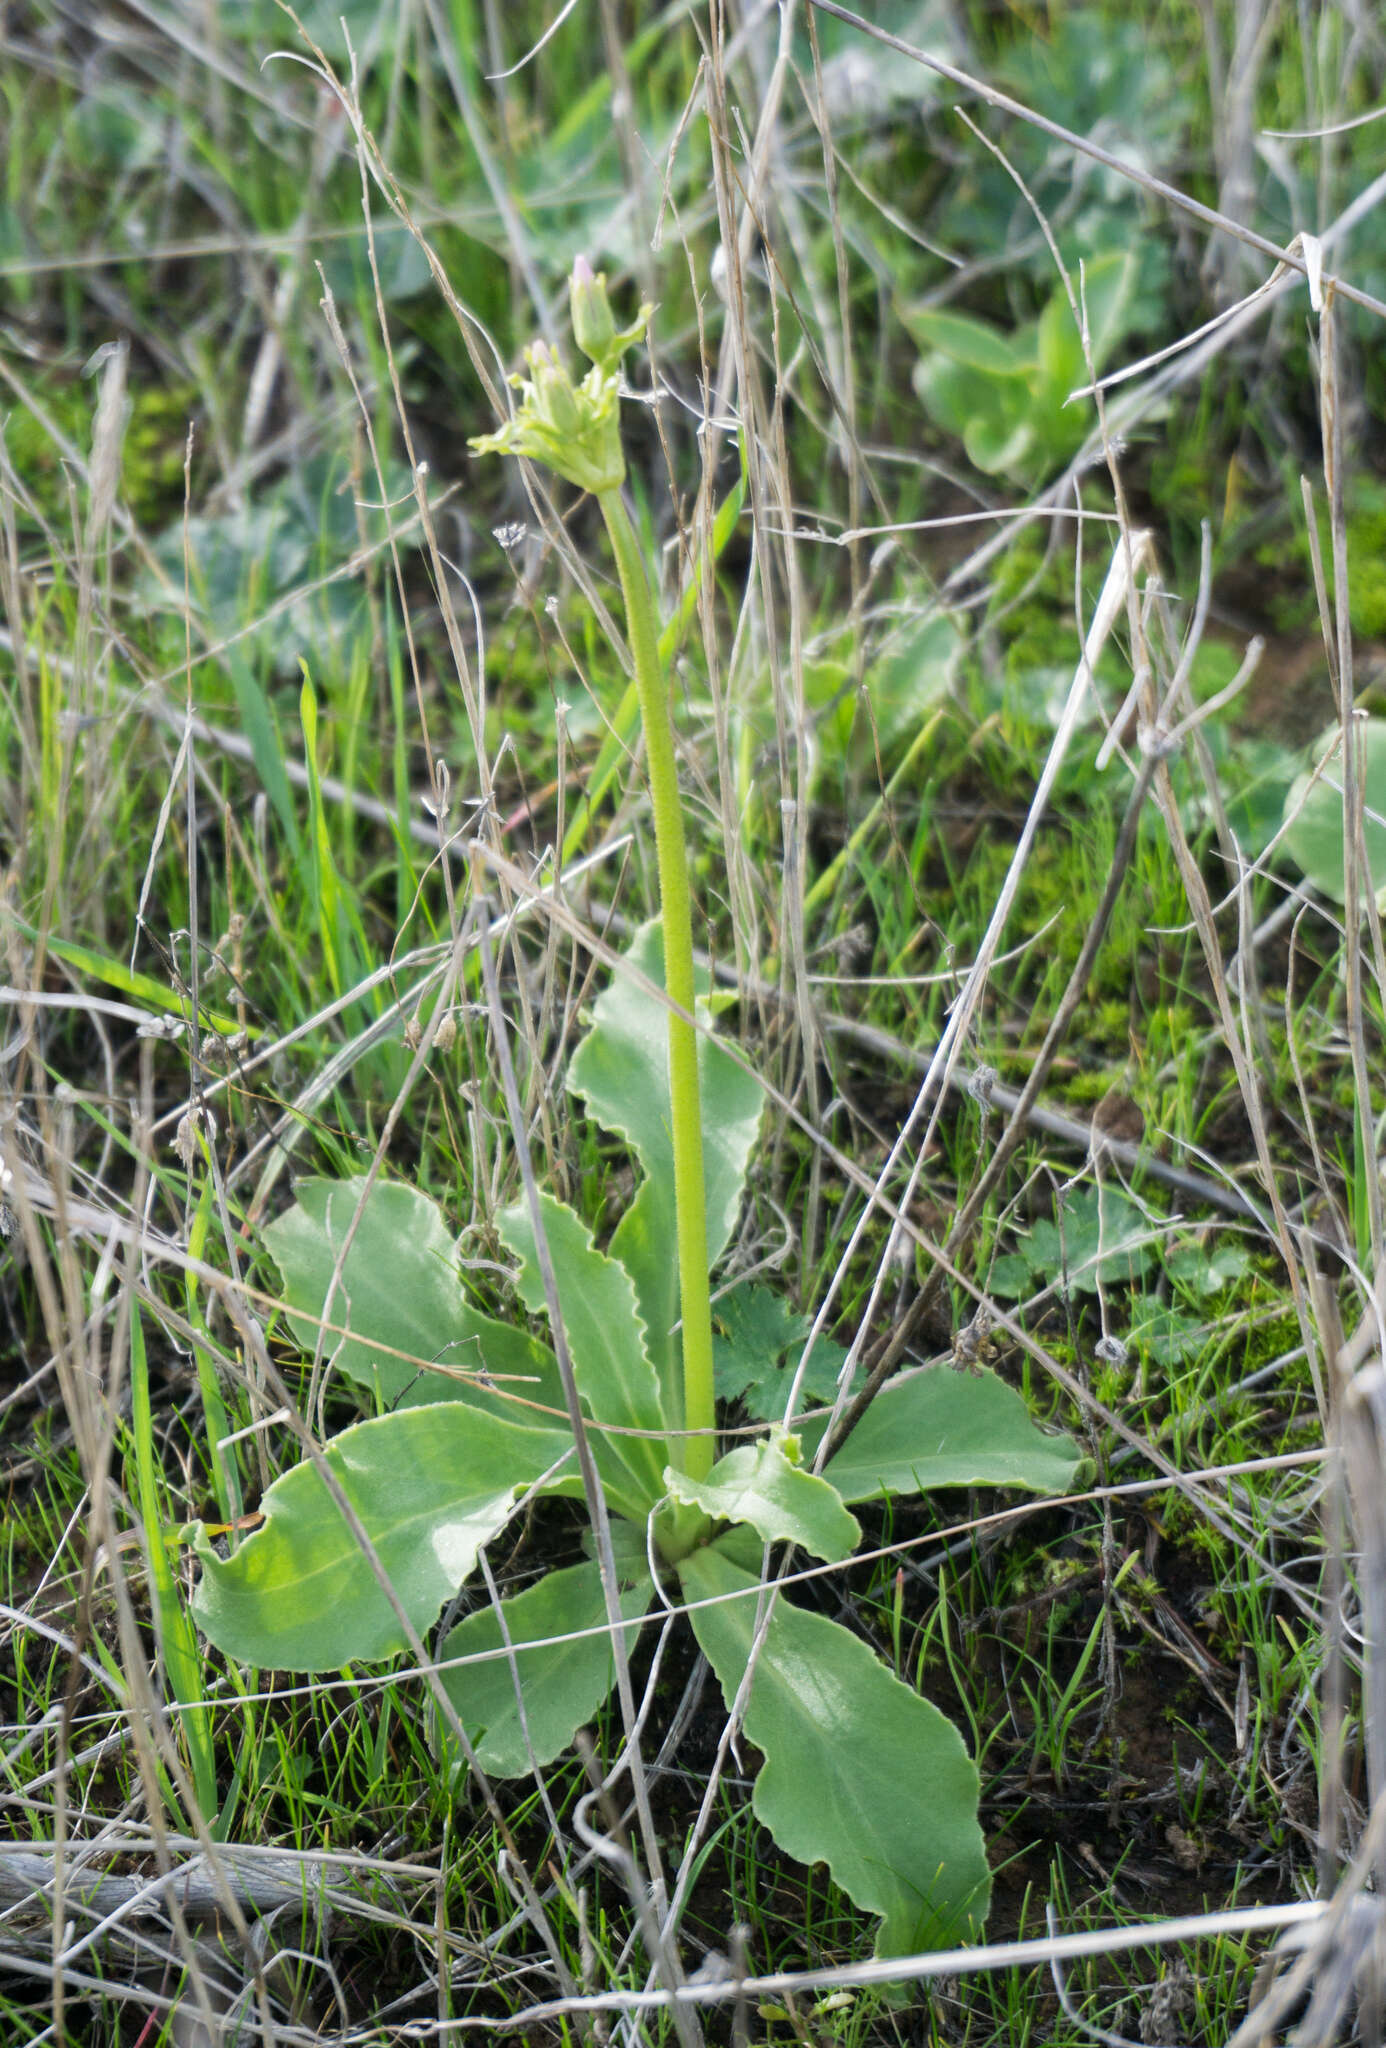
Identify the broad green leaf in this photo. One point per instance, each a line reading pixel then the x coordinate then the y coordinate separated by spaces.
pixel 629 1548
pixel 955 396
pixel 1003 395
pixel 1101 1236
pixel 564 1683
pixel 908 676
pixel 1109 284
pixel 993 417
pixel 272 548
pixel 430 1486
pixel 743 1548
pixel 874 84
pixel 1011 1277
pixel 976 344
pixel 1164 1334
pixel 999 445
pixel 760 1484
pixel 758 1353
pixel 912 673
pixel 1063 366
pixel 941 1427
pixel 645 1242
pixel 860 1773
pixel 1207 1269
pixel 606 1337
pixel 1314 812
pixel 397 258
pixel 400 1287
pixel 621 1071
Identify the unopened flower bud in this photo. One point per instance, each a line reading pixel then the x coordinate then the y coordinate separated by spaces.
pixel 594 330
pixel 554 395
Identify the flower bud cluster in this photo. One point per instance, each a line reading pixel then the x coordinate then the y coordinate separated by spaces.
pixel 573 429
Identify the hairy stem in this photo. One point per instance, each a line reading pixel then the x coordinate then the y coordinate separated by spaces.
pixel 694 1453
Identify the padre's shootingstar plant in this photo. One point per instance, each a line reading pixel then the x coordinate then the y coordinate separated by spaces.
pixel 577 432
pixel 859 1770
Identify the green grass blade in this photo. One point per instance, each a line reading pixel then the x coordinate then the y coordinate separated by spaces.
pixel 177 1640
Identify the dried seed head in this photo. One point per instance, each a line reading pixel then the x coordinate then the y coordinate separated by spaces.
pixel 161 1027
pixel 980 1083
pixel 195 1122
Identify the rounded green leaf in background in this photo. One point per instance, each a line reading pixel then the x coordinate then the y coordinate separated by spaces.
pixel 1314 811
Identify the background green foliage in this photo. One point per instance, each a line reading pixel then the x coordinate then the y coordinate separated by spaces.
pixel 868 664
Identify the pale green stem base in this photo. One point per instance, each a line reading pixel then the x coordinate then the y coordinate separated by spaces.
pixel 693 1454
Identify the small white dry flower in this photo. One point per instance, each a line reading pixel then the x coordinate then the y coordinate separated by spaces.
pixel 161 1027
pixel 439 801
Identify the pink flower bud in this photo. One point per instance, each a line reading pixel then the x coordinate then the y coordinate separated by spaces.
pixel 593 327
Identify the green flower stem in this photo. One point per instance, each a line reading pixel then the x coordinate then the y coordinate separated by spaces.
pixel 692 1454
